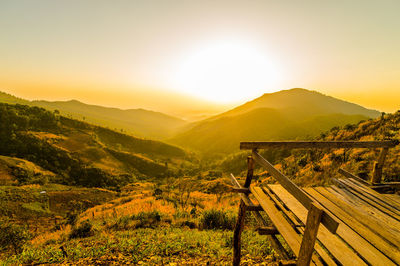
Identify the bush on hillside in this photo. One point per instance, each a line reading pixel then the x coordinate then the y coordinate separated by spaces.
pixel 140 220
pixel 217 219
pixel 12 236
pixel 85 229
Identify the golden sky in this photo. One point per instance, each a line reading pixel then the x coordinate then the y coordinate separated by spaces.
pixel 166 54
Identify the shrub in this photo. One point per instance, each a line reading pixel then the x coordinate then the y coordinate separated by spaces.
pixel 140 220
pixel 12 236
pixel 147 219
pixel 72 218
pixel 84 230
pixel 217 219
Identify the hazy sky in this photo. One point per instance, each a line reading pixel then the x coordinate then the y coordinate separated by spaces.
pixel 144 53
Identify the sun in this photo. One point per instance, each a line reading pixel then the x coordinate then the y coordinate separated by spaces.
pixel 226 72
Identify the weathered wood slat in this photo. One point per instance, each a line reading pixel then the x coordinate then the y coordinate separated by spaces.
pixel 383 207
pixel 395 185
pixel 367 216
pixel 241 190
pixel 283 226
pixel 255 208
pixel 371 211
pixel 268 230
pixel 295 220
pixel 335 205
pixel 350 175
pixel 331 242
pixel 250 145
pixel 297 192
pixel 394 197
pixel 285 229
pixel 381 197
pixel 282 206
pixel 272 239
pixel 367 250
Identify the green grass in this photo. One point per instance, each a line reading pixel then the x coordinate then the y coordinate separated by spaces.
pixel 37 207
pixel 150 246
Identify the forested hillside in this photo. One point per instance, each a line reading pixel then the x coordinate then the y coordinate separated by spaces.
pixel 77 153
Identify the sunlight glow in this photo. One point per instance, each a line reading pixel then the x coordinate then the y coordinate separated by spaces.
pixel 227 72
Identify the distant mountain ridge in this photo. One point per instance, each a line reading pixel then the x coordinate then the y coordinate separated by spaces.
pixel 287 114
pixel 139 122
pixel 305 101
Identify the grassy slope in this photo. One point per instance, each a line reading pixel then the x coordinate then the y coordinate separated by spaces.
pixel 290 114
pixel 126 231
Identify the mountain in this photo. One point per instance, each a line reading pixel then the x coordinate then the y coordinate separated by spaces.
pixel 73 152
pixel 139 122
pixel 288 114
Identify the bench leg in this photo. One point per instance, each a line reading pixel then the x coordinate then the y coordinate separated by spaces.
pixel 237 233
pixel 310 235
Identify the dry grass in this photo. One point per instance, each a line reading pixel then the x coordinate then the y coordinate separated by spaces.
pixel 49 236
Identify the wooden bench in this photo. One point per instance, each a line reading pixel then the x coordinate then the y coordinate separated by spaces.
pixel 345 224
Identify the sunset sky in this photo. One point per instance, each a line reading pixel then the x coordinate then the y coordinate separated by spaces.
pixel 163 54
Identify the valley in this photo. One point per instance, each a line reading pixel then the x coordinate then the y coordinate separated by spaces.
pixel 79 193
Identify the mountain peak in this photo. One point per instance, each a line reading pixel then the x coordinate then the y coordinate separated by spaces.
pixel 303 101
pixel 292 91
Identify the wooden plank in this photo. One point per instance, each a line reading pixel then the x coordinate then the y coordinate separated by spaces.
pixel 366 208
pixel 267 230
pixel 283 207
pixel 251 145
pixel 241 190
pixel 310 235
pixel 295 220
pixel 395 185
pixel 254 208
pixel 366 249
pixel 283 226
pixel 367 216
pixel 382 206
pixel 354 222
pixel 331 242
pixel 350 175
pixel 285 229
pixel 394 197
pixel 299 194
pixel 380 197
pixel 276 245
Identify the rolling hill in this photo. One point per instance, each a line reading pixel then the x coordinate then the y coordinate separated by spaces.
pixel 139 122
pixel 73 152
pixel 288 114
